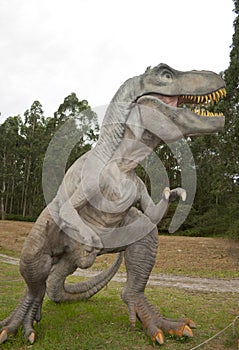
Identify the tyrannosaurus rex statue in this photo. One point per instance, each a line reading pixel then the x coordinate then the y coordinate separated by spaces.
pixel 94 210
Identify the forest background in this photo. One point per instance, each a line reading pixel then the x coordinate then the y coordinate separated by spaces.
pixel 215 211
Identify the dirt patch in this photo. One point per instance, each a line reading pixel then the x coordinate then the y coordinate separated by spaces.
pixel 194 256
pixel 13 234
pixel 197 255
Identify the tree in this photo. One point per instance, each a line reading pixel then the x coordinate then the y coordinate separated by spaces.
pixel 10 163
pixel 216 204
pixel 73 129
pixel 32 131
pixel 230 139
pixel 231 105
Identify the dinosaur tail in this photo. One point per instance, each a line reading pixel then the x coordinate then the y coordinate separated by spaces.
pixel 59 291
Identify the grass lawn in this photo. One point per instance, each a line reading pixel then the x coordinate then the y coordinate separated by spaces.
pixel 102 322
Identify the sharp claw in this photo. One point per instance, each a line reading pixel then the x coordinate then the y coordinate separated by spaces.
pixel 3 336
pixel 188 322
pixel 32 337
pixel 166 193
pixel 159 337
pixel 184 195
pixel 187 332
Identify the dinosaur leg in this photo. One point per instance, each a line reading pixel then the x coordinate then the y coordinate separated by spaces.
pixel 29 308
pixel 139 260
pixel 35 266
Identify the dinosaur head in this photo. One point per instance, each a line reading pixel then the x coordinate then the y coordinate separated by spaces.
pixel 169 104
pixel 174 103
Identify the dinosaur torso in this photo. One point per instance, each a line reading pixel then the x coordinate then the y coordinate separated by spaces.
pixel 119 193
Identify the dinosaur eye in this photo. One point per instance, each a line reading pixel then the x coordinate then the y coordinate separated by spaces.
pixel 166 76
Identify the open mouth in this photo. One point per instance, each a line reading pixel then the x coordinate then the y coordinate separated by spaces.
pixel 199 104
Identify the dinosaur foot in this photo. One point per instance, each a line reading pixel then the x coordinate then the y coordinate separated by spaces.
pixel 159 326
pixel 24 315
pixel 180 328
pixel 155 324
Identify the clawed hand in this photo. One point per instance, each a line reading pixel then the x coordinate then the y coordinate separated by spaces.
pixel 171 195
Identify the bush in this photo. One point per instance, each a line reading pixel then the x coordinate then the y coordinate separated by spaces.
pixel 15 217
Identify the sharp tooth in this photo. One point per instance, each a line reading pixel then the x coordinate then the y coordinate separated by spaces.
pixel 218 95
pixel 221 92
pixel 198 99
pixel 206 98
pixel 224 91
pixel 212 102
pixel 214 96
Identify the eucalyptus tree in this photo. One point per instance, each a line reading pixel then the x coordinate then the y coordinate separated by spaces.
pixel 10 164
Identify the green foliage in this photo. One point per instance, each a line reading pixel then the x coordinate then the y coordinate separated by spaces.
pixel 15 217
pixel 23 145
pixel 216 206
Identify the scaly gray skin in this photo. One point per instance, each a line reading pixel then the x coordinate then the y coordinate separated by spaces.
pixel 94 210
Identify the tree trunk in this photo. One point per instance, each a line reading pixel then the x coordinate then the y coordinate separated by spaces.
pixel 26 186
pixel 3 213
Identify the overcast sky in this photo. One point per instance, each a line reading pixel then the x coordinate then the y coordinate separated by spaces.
pixel 50 48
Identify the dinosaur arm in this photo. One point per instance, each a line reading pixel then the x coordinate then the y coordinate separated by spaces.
pixel 156 212
pixel 71 222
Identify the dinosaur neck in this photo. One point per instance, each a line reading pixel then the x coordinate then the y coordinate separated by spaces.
pixel 113 126
pixel 131 151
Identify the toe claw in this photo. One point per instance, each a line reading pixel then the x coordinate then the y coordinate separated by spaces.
pixel 191 324
pixel 3 336
pixel 187 332
pixel 159 337
pixel 32 337
pixel 188 322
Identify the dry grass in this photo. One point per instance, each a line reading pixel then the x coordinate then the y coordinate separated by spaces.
pixel 194 256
